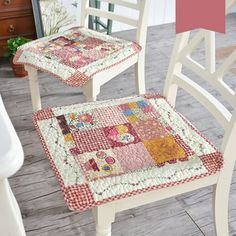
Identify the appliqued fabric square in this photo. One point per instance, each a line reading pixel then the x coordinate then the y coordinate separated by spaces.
pixel 76 55
pixel 108 150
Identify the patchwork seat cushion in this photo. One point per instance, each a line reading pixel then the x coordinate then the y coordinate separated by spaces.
pixel 114 149
pixel 76 55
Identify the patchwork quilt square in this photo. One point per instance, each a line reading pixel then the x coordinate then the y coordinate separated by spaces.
pixel 165 149
pixel 108 150
pixel 81 194
pixel 121 135
pixel 62 41
pixel 140 110
pixel 82 121
pixel 76 55
pixel 91 140
pixel 133 157
pixel 99 164
pixel 149 129
pixel 109 116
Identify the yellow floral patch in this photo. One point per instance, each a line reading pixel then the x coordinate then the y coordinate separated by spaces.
pixel 77 43
pixel 68 138
pixel 72 116
pixel 164 149
pixel 132 118
pixel 133 105
pixel 122 129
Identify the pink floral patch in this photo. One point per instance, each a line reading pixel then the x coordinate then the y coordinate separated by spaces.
pixel 95 54
pixel 63 54
pixel 76 61
pixel 124 106
pixel 90 43
pixel 121 135
pixel 82 121
pixel 62 41
pixel 133 157
pixel 149 129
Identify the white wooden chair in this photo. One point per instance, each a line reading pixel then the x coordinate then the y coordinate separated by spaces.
pixel 92 87
pixel 82 194
pixel 105 213
pixel 181 56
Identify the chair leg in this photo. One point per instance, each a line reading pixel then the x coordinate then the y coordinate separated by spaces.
pixel 91 90
pixel 104 216
pixel 34 87
pixel 220 201
pixel 140 74
pixel 103 230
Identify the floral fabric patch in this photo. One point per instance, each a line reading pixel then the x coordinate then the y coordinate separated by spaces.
pixel 114 149
pixel 149 129
pixel 81 121
pixel 76 55
pixel 121 135
pixel 164 150
pixel 136 111
pixel 99 164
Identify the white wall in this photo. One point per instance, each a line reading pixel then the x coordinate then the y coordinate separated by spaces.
pixel 161 12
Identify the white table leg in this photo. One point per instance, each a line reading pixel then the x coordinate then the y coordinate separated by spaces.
pixel 11 223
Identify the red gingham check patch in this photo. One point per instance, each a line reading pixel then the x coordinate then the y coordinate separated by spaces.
pixel 109 116
pixel 213 161
pixel 91 140
pixel 44 114
pixel 79 195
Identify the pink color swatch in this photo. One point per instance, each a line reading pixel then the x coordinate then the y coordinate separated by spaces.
pixel 207 14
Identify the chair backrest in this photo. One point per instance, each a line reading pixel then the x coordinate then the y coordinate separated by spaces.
pixel 140 23
pixel 181 56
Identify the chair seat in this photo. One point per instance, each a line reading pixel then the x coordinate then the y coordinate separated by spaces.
pixel 108 150
pixel 76 55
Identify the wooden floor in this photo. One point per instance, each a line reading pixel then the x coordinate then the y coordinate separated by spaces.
pixel 36 189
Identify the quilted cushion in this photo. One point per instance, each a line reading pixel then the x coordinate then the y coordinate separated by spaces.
pixel 108 150
pixel 76 55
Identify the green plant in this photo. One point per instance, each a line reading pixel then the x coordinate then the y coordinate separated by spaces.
pixel 13 44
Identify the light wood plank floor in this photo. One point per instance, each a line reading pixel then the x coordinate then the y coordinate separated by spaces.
pixel 36 189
